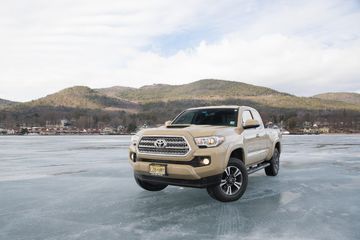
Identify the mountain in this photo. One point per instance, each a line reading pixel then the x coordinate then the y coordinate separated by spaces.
pixel 353 98
pixel 220 90
pixel 153 104
pixel 206 91
pixel 114 91
pixel 202 89
pixel 5 103
pixel 82 97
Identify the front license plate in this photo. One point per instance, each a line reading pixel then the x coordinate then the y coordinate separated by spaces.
pixel 158 170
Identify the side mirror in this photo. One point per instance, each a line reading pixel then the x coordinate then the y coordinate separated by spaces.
pixel 167 123
pixel 251 123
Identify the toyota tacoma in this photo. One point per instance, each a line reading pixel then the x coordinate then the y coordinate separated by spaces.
pixel 207 147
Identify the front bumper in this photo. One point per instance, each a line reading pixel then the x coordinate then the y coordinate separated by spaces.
pixel 198 183
pixel 182 167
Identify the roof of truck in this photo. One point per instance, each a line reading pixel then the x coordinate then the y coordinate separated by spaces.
pixel 221 106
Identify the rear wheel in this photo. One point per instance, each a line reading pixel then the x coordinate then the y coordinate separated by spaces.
pixel 273 168
pixel 233 182
pixel 150 186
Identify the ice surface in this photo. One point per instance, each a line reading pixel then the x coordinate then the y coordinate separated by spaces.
pixel 81 187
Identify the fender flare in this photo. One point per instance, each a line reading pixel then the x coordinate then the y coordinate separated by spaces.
pixel 277 142
pixel 229 152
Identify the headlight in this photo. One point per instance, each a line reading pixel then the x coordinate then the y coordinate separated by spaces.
pixel 134 140
pixel 212 141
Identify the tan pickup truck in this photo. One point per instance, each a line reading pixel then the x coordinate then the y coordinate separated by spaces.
pixel 208 147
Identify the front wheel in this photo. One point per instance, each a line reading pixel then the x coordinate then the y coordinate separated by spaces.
pixel 150 186
pixel 233 182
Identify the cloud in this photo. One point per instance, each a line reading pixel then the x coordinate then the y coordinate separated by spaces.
pixel 302 47
pixel 287 64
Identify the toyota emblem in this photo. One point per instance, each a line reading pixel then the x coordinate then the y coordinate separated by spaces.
pixel 160 143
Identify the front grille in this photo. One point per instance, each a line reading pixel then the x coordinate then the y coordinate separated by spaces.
pixel 177 146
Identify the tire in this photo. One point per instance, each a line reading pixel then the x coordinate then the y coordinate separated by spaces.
pixel 150 186
pixel 233 182
pixel 274 167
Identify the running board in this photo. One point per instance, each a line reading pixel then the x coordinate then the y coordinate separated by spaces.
pixel 257 167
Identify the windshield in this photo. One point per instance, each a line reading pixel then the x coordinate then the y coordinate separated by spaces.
pixel 215 116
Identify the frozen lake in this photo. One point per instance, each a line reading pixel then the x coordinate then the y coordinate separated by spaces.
pixel 81 187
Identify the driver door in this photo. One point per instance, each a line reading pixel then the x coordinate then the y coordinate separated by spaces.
pixel 251 143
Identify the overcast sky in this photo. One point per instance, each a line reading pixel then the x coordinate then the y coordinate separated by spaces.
pixel 300 47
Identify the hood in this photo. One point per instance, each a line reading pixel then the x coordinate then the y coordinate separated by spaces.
pixel 193 130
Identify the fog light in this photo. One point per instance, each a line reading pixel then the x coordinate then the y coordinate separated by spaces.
pixel 205 161
pixel 133 157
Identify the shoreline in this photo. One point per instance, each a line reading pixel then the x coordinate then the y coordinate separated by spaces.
pixel 130 134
